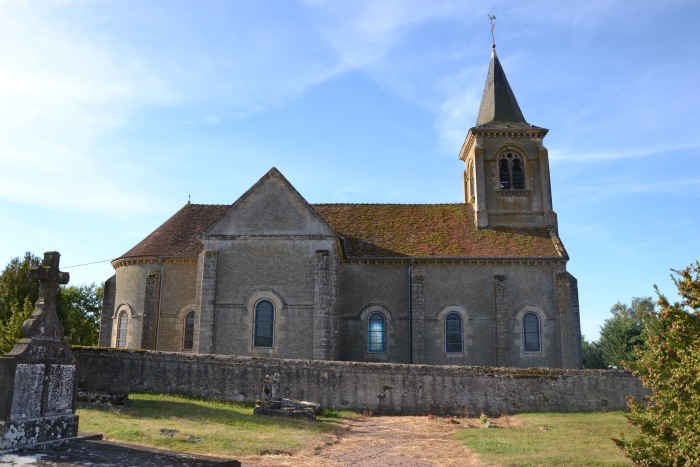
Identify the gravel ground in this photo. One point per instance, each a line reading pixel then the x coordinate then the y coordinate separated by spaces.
pixel 367 442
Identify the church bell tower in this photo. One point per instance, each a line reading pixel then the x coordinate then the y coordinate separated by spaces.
pixel 506 177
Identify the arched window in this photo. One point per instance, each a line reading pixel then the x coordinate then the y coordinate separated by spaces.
pixel 264 324
pixel 453 333
pixel 122 322
pixel 510 172
pixel 531 332
pixel 504 173
pixel 188 342
pixel 518 179
pixel 376 333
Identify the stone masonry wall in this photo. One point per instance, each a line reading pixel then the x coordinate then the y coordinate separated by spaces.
pixel 380 387
pixel 500 311
pixel 107 311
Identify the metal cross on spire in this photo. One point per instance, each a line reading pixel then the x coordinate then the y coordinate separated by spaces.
pixel 493 25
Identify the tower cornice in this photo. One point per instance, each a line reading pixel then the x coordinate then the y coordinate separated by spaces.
pixel 501 131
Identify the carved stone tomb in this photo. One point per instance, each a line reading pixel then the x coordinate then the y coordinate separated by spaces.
pixel 38 376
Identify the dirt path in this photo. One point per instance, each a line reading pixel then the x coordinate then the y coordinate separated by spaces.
pixel 385 441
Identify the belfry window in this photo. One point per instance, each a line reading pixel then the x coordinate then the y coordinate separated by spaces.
pixel 376 333
pixel 264 324
pixel 518 180
pixel 510 172
pixel 453 333
pixel 122 322
pixel 504 172
pixel 531 333
pixel 188 342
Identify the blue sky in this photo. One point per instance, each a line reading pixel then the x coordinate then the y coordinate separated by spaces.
pixel 112 113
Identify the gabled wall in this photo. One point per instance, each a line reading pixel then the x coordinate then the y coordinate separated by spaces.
pixel 270 245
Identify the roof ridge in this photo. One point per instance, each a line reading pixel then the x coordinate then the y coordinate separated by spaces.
pixel 206 204
pixel 388 204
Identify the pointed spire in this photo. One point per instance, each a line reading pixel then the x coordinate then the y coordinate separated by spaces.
pixel 498 103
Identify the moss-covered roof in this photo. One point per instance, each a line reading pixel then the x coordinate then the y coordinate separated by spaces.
pixel 372 231
pixel 429 230
pixel 179 235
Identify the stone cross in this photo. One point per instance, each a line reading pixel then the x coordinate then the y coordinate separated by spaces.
pixel 38 377
pixel 44 323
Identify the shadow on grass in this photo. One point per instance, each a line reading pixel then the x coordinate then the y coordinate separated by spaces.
pixel 232 414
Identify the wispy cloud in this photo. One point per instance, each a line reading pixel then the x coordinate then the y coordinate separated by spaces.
pixel 660 150
pixel 60 94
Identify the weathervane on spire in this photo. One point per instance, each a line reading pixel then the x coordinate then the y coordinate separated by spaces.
pixel 493 41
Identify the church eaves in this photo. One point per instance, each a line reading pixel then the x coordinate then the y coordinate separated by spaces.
pixel 498 103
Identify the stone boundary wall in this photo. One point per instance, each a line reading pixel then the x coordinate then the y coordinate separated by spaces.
pixel 384 388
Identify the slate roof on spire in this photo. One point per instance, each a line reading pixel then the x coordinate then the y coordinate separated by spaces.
pixel 498 104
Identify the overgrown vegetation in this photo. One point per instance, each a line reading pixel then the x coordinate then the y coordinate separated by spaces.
pixel 620 335
pixel 78 307
pixel 669 364
pixel 197 426
pixel 552 439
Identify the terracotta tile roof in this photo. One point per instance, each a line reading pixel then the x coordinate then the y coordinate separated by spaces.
pixel 371 230
pixel 179 235
pixel 429 230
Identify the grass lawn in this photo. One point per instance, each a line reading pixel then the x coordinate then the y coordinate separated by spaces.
pixel 220 429
pixel 552 439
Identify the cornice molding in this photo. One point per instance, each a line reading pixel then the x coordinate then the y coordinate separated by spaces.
pixel 121 262
pixel 534 132
pixel 464 261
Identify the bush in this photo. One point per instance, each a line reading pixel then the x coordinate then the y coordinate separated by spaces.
pixel 669 365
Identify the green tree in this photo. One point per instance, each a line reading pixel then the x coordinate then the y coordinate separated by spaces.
pixel 16 286
pixel 626 330
pixel 592 355
pixel 11 328
pixel 669 365
pixel 79 308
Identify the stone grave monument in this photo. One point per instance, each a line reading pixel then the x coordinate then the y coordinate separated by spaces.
pixel 271 402
pixel 38 376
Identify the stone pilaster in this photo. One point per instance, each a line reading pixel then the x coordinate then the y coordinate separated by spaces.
pixel 205 301
pixel 480 209
pixel 417 317
pixel 151 302
pixel 569 321
pixel 500 318
pixel 325 307
pixel 106 320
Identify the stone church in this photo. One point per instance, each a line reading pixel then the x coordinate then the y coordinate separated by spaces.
pixel 482 282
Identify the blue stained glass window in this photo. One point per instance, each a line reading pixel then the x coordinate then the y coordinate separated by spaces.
pixel 376 337
pixel 264 324
pixel 453 333
pixel 531 332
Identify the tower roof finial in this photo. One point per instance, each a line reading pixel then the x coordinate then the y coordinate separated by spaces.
pixel 498 103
